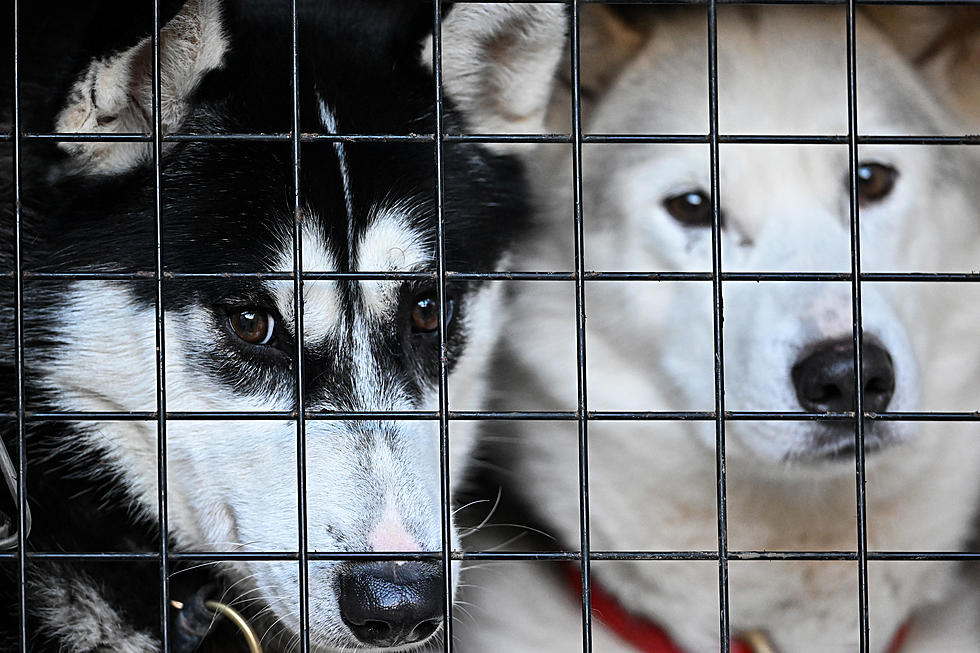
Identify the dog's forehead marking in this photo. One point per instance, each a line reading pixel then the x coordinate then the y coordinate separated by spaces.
pixel 329 120
pixel 322 311
pixel 390 243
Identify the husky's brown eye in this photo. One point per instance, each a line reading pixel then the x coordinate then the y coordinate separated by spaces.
pixel 691 208
pixel 874 181
pixel 253 325
pixel 425 313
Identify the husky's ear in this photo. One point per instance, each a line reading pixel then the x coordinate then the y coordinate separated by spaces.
pixel 115 93
pixel 944 43
pixel 498 63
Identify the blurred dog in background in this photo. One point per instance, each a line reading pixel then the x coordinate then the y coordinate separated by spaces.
pixel 788 345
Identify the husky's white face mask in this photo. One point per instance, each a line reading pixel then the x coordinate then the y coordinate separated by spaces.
pixel 247 484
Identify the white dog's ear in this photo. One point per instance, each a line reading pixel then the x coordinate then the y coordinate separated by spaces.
pixel 115 93
pixel 607 43
pixel 944 43
pixel 498 64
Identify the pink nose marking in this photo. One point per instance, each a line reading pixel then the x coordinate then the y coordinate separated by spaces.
pixel 389 534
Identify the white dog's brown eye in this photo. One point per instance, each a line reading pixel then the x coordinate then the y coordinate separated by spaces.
pixel 425 313
pixel 691 208
pixel 253 325
pixel 874 181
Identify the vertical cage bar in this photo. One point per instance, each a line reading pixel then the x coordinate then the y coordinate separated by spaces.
pixel 161 350
pixel 19 344
pixel 582 407
pixel 855 225
pixel 717 291
pixel 304 566
pixel 445 485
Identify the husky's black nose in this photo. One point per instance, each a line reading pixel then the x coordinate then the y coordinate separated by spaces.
pixel 391 603
pixel 824 379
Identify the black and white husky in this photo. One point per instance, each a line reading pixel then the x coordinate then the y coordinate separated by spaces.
pixel 226 206
pixel 787 345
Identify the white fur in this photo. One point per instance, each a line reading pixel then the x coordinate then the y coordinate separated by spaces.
pixel 650 346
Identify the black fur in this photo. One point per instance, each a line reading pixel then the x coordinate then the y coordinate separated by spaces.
pixel 225 207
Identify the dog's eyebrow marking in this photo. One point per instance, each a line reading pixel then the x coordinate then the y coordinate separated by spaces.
pixel 321 297
pixel 390 243
pixel 329 120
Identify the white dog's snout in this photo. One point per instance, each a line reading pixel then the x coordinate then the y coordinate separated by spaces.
pixel 826 379
pixel 790 347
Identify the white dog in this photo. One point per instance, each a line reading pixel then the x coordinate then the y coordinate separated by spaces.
pixel 787 347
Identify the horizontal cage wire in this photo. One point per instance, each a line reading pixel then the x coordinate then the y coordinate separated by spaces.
pixel 445 415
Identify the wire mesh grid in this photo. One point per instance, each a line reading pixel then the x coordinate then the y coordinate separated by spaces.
pixel 445 415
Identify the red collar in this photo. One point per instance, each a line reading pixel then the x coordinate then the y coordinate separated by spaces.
pixel 646 636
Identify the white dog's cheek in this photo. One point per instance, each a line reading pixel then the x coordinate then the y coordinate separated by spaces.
pixel 762 337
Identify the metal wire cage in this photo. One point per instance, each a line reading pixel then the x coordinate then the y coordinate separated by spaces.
pixel 582 416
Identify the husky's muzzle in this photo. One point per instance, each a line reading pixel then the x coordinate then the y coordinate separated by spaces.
pixel 825 381
pixel 388 604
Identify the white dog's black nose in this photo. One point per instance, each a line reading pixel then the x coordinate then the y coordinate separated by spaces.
pixel 391 603
pixel 824 379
